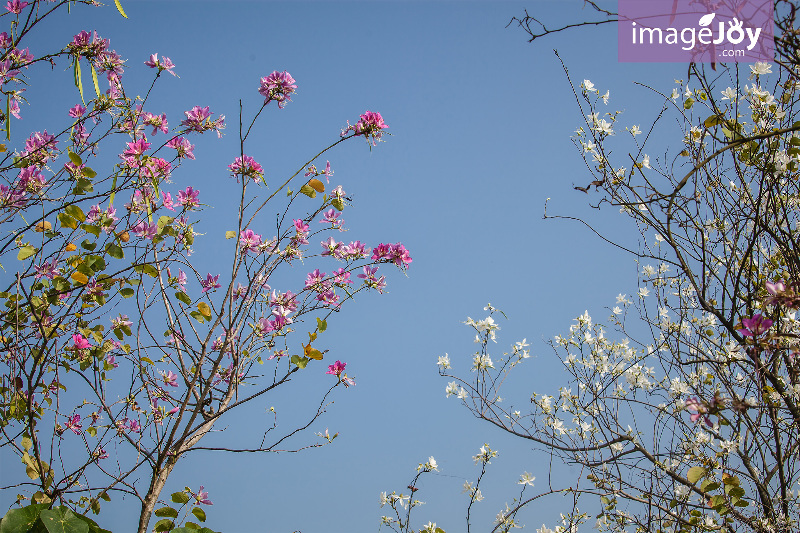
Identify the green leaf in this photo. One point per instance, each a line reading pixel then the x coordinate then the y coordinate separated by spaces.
pixel 114 251
pixel 96 85
pixel 230 234
pixel 182 296
pixel 25 252
pixel 26 443
pixel 91 430
pixel 75 212
pixel 91 228
pixel 67 221
pixel 321 325
pixel 695 473
pixel 127 292
pixel 709 485
pixel 308 191
pixel 87 245
pixel 62 520
pixel 148 269
pixel 21 520
pixel 180 497
pixel 167 511
pixel 199 513
pixel 338 204
pixel 89 173
pixel 93 527
pixel 119 8
pixel 687 104
pixel 190 529
pixel 301 362
pixel 164 525
pixel 75 158
pixel 197 316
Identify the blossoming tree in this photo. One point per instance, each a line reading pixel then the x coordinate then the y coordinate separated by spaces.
pixel 681 413
pixel 120 352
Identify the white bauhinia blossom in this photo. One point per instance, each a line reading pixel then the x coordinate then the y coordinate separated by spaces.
pixel 526 479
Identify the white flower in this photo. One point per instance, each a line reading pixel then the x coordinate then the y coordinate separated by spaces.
pixel 544 529
pixel 761 67
pixel 604 126
pixel 643 292
pixel 675 95
pixel 452 388
pixel 646 161
pixel 444 361
pixel 587 85
pixel 617 310
pixel 606 97
pixel 635 130
pixel 729 94
pixel 681 491
pixel 526 479
pixel 384 499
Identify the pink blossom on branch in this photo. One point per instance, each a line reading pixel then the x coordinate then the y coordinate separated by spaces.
pixel 370 125
pixel 752 327
pixel 336 368
pixel 15 6
pixel 246 166
pixel 162 64
pixel 699 411
pixel 278 86
pixel 210 283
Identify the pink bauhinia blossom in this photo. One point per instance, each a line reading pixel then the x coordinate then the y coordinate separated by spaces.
pixel 278 86
pixel 79 343
pixel 210 283
pixel 752 327
pixel 699 411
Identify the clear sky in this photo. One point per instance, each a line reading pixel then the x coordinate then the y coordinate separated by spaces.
pixel 481 124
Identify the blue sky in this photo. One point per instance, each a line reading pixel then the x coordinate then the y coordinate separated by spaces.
pixel 481 124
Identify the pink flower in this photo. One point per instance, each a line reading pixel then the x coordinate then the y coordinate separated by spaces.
pixel 775 288
pixel 370 125
pixel 5 40
pixel 158 122
pixel 755 326
pixel 164 64
pixel 47 270
pixel 395 253
pixel 246 166
pixel 693 404
pixel 210 283
pixel 133 425
pixel 189 198
pixel 249 241
pixel 199 119
pixel 278 86
pixel 170 378
pixel 342 277
pixel 336 368
pixel 144 230
pixel 182 146
pixel 202 496
pixel 77 111
pixel 135 149
pixel 79 343
pixel 74 424
pixel 331 217
pixel 168 203
pixel 315 280
pixel 15 6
